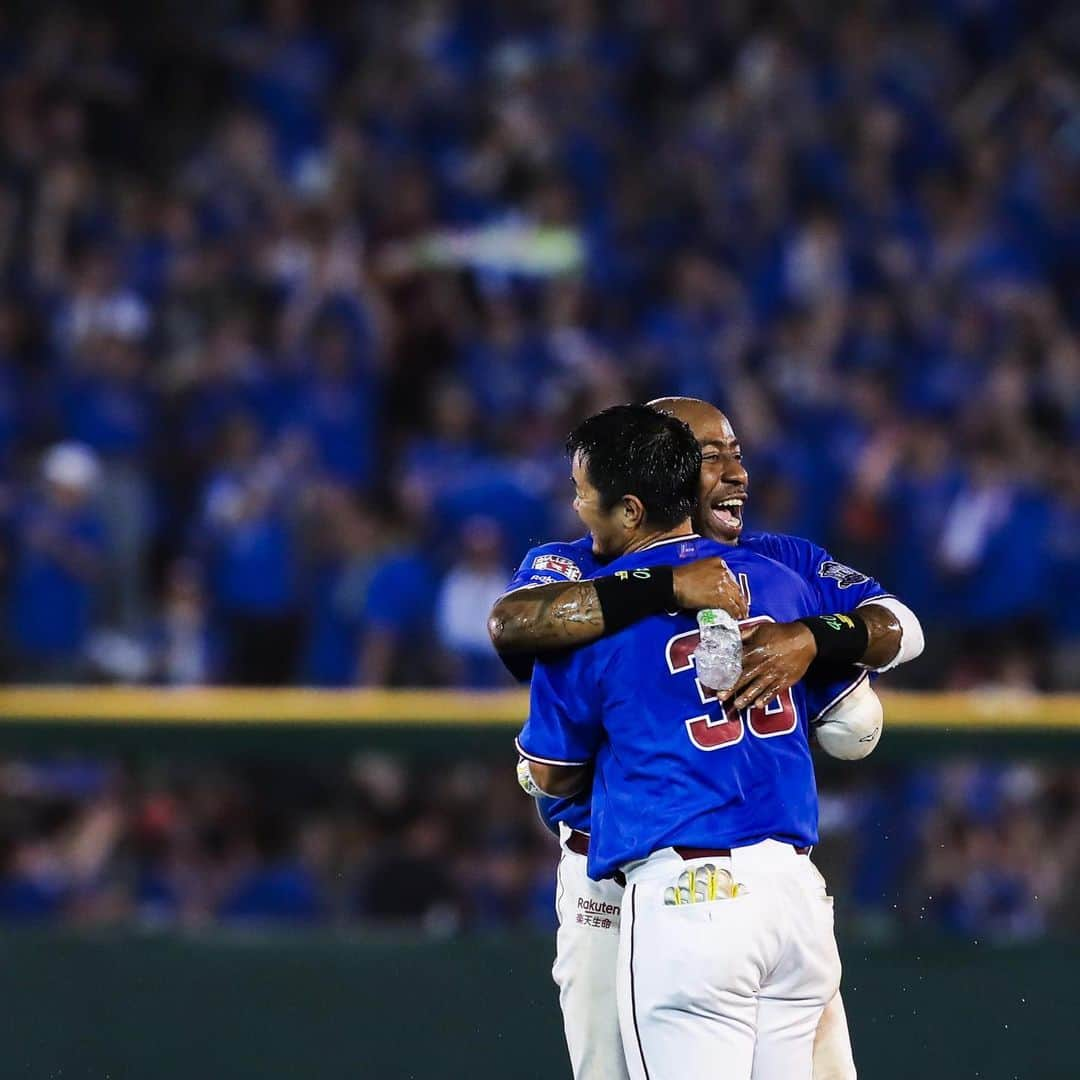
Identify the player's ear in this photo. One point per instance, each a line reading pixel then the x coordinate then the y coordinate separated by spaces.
pixel 633 512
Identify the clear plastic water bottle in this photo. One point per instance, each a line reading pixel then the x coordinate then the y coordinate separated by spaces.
pixel 718 657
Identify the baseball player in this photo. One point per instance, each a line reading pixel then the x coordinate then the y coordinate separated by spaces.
pixel 561 608
pixel 680 776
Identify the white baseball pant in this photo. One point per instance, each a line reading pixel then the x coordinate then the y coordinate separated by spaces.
pixel 833 1058
pixel 586 955
pixel 741 980
pixel 585 962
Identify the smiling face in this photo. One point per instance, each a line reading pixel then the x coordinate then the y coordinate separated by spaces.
pixel 605 526
pixel 724 485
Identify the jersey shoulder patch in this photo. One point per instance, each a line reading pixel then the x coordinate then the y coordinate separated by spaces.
pixel 557 564
pixel 844 576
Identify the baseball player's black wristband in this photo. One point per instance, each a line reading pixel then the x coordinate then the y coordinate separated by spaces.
pixel 629 595
pixel 841 639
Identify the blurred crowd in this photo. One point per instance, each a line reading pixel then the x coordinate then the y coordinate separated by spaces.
pixel 298 301
pixel 980 852
pixel 373 842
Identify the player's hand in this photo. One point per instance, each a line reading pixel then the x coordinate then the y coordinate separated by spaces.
pixel 708 583
pixel 775 656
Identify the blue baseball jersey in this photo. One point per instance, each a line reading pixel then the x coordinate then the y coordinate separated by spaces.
pixel 672 766
pixel 839 588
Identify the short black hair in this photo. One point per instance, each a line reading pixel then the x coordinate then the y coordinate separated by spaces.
pixel 638 450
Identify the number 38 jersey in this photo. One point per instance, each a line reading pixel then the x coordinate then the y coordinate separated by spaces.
pixel 672 765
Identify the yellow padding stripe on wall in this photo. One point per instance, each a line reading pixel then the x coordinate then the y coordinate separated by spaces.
pixel 454 708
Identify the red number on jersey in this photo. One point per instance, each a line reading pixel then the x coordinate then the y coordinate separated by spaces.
pixel 777 717
pixel 709 733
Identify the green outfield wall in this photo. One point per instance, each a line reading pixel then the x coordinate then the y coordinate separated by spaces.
pixel 220 1007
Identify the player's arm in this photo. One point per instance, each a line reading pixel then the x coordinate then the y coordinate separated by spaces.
pixel 878 636
pixel 859 624
pixel 556 781
pixel 778 655
pixel 546 618
pixel 563 731
pixel 885 634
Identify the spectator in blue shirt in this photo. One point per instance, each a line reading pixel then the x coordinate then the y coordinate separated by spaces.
pixel 476 579
pixel 398 641
pixel 277 887
pixel 252 554
pixel 107 405
pixel 13 400
pixel 992 551
pixel 347 551
pixel 36 885
pixel 1064 571
pixel 184 649
pixel 338 407
pixel 58 559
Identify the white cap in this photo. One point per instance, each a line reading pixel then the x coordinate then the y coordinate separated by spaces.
pixel 70 464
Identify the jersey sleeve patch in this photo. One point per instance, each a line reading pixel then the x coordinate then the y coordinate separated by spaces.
pixel 558 564
pixel 844 576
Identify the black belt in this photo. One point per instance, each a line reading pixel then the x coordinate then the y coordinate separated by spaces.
pixel 578 843
pixel 690 853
